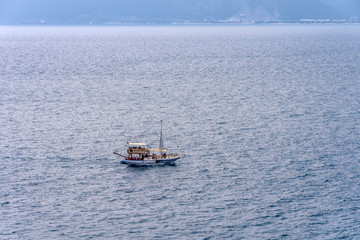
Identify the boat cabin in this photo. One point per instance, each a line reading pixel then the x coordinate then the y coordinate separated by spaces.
pixel 138 151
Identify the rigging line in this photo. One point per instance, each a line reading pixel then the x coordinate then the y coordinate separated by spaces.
pixel 127 142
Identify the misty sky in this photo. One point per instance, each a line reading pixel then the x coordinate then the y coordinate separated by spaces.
pixel 83 11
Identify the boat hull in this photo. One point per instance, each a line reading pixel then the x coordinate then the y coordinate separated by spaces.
pixel 150 162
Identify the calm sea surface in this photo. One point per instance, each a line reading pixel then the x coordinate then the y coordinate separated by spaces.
pixel 266 118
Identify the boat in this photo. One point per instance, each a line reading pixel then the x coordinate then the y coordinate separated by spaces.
pixel 139 154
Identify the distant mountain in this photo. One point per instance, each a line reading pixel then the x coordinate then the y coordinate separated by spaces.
pixel 167 11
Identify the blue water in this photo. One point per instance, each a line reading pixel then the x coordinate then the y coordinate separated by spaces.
pixel 266 118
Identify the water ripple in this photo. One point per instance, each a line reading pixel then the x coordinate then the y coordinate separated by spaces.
pixel 265 117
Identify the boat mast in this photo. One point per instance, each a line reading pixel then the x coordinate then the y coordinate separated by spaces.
pixel 161 144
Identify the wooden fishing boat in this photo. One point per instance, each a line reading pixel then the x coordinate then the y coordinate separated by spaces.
pixel 138 154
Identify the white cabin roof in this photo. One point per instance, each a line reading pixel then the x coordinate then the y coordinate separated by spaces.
pixel 138 144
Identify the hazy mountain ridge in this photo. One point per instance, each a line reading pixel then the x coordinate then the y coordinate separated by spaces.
pixel 167 11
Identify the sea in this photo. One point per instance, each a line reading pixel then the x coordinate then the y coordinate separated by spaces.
pixel 265 117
